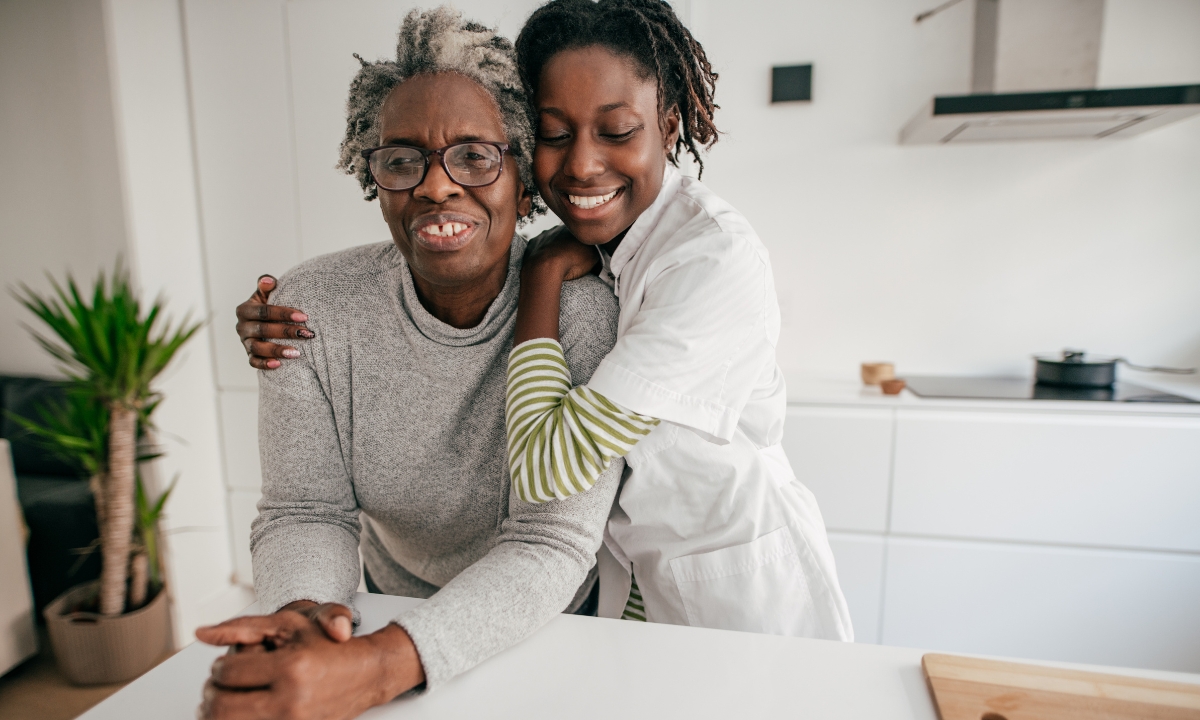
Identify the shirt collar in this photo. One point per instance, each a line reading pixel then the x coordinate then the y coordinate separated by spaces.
pixel 646 222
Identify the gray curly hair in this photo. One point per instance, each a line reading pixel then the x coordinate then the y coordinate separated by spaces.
pixel 432 41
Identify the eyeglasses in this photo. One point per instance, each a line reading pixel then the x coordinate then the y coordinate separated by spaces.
pixel 470 164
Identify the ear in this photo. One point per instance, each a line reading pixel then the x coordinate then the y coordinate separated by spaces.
pixel 524 200
pixel 671 129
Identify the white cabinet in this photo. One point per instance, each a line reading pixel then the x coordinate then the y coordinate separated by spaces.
pixel 1098 480
pixel 859 560
pixel 1057 531
pixel 1107 607
pixel 844 456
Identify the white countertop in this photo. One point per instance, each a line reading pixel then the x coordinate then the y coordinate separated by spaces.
pixel 848 391
pixel 597 668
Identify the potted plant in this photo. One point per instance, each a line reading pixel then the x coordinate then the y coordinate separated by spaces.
pixel 117 628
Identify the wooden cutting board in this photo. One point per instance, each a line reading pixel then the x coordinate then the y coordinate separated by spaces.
pixel 972 689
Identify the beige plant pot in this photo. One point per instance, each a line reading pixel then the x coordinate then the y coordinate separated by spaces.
pixel 94 649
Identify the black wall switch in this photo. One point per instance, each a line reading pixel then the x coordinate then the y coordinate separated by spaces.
pixel 791 82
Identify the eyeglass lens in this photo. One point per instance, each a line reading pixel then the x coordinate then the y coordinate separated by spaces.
pixel 469 165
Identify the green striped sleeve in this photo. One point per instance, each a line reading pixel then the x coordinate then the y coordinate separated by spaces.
pixel 560 438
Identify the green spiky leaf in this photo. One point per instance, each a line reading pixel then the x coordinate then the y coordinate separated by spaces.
pixel 107 343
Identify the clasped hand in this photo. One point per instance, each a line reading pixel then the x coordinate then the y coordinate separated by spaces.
pixel 303 663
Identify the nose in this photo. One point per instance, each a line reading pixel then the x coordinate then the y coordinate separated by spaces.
pixel 437 187
pixel 584 160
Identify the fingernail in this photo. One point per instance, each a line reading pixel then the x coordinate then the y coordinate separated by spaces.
pixel 291 353
pixel 273 364
pixel 299 317
pixel 267 280
pixel 306 333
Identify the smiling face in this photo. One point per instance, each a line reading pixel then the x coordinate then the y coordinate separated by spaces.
pixel 454 238
pixel 600 150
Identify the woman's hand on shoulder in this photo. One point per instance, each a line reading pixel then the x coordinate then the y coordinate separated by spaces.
pixel 259 322
pixel 563 256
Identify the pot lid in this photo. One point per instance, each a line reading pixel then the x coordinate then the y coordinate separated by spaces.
pixel 1075 357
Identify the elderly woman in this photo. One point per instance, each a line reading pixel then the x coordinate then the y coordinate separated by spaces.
pixel 393 417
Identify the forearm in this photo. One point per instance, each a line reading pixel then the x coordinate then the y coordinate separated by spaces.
pixel 304 542
pixel 538 303
pixel 301 560
pixel 560 439
pixel 487 608
pixel 531 575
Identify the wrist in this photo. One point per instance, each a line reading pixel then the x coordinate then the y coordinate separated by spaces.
pixel 397 664
pixel 543 269
pixel 541 286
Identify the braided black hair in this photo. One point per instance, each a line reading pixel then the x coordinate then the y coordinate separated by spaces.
pixel 648 32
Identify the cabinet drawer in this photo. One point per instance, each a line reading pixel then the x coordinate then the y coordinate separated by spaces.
pixel 1111 607
pixel 844 457
pixel 859 561
pixel 1059 478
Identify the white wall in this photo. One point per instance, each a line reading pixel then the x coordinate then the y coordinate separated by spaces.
pixel 96 161
pixel 60 197
pixel 1148 43
pixel 960 259
pixel 954 259
pixel 944 259
pixel 166 247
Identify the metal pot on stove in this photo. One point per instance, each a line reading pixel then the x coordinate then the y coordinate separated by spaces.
pixel 1077 369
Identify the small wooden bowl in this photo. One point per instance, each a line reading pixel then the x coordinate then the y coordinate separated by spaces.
pixel 877 372
pixel 893 386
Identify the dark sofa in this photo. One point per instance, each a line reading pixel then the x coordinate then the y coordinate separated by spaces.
pixel 54 496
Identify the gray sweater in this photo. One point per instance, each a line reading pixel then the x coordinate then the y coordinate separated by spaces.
pixel 395 415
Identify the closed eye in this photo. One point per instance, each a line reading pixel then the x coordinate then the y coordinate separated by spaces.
pixel 618 137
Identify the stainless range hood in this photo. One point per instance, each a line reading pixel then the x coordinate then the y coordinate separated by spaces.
pixel 1025 51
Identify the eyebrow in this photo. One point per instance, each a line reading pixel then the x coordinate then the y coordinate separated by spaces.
pixel 416 143
pixel 557 112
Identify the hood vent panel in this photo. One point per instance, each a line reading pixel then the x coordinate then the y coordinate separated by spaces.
pixel 1094 114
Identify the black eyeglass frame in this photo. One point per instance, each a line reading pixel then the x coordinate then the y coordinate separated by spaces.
pixel 441 153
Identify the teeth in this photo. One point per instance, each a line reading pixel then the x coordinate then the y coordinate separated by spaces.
pixel 449 229
pixel 587 202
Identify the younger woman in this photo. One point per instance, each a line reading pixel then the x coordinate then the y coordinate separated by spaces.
pixel 711 525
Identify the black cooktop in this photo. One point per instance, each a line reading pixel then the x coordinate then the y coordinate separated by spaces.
pixel 1015 388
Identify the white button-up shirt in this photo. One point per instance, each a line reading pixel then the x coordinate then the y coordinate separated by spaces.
pixel 711 519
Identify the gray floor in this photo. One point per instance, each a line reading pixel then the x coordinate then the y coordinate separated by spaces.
pixel 35 690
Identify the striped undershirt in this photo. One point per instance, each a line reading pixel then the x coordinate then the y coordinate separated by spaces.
pixel 560 439
pixel 635 607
